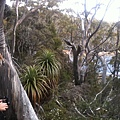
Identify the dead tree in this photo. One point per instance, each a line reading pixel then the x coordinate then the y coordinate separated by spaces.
pixel 84 47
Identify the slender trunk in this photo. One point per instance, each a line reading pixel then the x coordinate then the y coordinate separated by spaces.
pixel 75 67
pixel 15 27
pixel 104 65
pixel 116 63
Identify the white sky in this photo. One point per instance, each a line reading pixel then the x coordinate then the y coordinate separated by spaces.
pixel 112 15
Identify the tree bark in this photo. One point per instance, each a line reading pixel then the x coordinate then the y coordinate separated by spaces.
pixel 20 107
pixel 77 77
pixel 116 63
pixel 104 65
pixel 75 67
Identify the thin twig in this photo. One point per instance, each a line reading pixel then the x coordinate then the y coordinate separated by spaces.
pixel 100 92
pixel 88 105
pixel 97 26
pixel 78 110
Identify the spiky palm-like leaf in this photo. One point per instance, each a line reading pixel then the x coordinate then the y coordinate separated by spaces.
pixel 49 65
pixel 35 83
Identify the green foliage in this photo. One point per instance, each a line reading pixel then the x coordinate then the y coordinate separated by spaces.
pixel 49 66
pixel 34 33
pixel 53 111
pixel 66 75
pixel 44 30
pixel 35 83
pixel 39 80
pixel 57 43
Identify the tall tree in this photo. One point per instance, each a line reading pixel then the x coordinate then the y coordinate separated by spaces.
pixel 85 49
pixel 20 107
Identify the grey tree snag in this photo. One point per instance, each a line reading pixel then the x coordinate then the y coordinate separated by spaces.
pixel 76 52
pixel 104 66
pixel 20 107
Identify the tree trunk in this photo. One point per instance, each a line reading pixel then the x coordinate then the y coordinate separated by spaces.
pixel 75 65
pixel 20 107
pixel 116 63
pixel 75 69
pixel 104 65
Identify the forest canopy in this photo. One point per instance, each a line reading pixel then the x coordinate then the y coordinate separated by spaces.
pixel 68 64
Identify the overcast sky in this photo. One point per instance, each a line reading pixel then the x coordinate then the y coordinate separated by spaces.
pixel 112 15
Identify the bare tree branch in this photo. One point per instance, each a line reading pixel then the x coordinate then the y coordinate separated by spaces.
pixel 106 38
pixel 100 92
pixel 98 26
pixel 76 109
